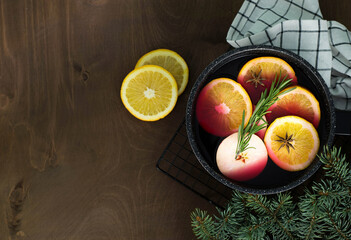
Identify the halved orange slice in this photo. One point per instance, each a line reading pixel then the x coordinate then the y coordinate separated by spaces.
pixel 292 143
pixel 259 73
pixel 169 60
pixel 299 102
pixel 149 92
pixel 220 106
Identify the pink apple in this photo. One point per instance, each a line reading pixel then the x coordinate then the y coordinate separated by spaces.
pixel 248 165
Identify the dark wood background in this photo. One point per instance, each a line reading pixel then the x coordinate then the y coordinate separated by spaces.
pixel 74 164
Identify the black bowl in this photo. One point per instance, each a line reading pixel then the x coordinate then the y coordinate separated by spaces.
pixel 273 179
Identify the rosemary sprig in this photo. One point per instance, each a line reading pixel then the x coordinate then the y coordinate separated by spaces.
pixel 245 133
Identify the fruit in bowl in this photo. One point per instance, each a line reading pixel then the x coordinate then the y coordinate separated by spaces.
pixel 272 179
pixel 250 155
pixel 220 105
pixel 247 164
pixel 292 143
pixel 299 102
pixel 257 75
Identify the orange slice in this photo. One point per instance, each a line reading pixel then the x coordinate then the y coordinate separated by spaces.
pixel 292 143
pixel 149 92
pixel 259 73
pixel 299 102
pixel 171 61
pixel 220 106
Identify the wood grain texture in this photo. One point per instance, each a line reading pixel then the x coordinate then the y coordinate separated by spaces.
pixel 74 164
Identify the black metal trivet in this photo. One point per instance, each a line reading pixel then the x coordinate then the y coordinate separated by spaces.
pixel 179 162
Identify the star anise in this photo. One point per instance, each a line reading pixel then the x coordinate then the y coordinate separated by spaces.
pixel 256 78
pixel 286 142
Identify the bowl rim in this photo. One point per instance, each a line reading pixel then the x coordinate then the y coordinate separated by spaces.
pixel 219 62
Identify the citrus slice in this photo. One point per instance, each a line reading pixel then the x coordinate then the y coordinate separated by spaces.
pixel 259 73
pixel 292 143
pixel 220 106
pixel 149 92
pixel 171 61
pixel 300 102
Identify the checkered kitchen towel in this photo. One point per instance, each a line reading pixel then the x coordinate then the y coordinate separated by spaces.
pixel 298 26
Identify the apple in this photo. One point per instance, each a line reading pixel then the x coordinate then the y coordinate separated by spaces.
pixel 258 74
pixel 298 102
pixel 248 164
pixel 262 132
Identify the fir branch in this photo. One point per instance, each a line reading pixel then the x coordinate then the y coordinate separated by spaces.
pixel 285 215
pixel 224 224
pixel 256 227
pixel 272 208
pixel 341 228
pixel 232 217
pixel 311 225
pixel 284 201
pixel 330 189
pixel 245 132
pixel 336 166
pixel 259 204
pixel 323 212
pixel 203 226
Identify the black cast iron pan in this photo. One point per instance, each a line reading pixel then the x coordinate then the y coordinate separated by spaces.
pixel 272 179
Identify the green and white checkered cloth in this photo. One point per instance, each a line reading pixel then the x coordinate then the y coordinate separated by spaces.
pixel 298 26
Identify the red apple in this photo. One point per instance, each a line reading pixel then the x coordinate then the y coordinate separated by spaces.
pixel 298 102
pixel 258 74
pixel 248 164
pixel 262 132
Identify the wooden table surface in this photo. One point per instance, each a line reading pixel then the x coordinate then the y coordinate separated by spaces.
pixel 74 164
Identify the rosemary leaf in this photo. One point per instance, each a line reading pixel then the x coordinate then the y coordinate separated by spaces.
pixel 245 133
